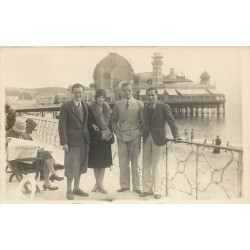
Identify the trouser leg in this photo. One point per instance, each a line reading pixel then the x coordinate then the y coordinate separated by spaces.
pixel 69 184
pixel 41 174
pixel 77 182
pixel 124 164
pixel 147 166
pixel 157 153
pixel 134 153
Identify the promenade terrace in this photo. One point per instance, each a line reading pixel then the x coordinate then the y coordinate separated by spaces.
pixel 192 172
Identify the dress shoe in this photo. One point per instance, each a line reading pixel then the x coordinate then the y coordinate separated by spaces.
pixel 95 188
pixel 52 188
pixel 58 166
pixel 122 190
pixel 69 195
pixel 144 194
pixel 138 191
pixel 103 190
pixel 56 177
pixel 157 196
pixel 79 192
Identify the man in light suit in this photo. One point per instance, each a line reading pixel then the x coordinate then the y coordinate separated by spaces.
pixel 74 138
pixel 127 121
pixel 154 139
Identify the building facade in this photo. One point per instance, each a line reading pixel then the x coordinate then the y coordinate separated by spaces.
pixel 183 95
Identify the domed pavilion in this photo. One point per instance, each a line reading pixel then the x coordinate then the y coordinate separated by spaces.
pixel 205 78
pixel 111 71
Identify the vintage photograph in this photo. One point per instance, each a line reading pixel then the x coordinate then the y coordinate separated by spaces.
pixel 123 125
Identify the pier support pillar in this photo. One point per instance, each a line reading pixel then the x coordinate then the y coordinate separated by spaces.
pixel 191 111
pixel 218 110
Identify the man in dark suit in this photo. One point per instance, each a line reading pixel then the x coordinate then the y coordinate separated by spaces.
pixel 74 138
pixel 156 114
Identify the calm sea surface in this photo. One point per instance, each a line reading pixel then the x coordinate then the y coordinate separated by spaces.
pixel 229 128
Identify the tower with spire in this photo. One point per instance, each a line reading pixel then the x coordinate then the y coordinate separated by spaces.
pixel 157 64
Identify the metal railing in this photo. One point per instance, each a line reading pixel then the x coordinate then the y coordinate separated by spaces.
pixel 203 171
pixel 192 169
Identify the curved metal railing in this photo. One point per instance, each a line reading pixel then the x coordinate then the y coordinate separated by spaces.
pixel 195 169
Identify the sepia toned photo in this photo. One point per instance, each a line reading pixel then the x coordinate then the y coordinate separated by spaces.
pixel 123 125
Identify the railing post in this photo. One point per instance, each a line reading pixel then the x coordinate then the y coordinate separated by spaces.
pixel 167 168
pixel 240 181
pixel 196 173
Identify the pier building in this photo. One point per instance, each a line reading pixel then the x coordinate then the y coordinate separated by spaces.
pixel 185 97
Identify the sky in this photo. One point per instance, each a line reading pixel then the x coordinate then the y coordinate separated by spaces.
pixel 36 67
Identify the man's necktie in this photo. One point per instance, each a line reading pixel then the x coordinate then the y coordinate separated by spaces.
pixel 127 105
pixel 80 110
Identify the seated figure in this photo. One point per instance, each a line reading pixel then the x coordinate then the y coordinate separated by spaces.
pixel 47 161
pixel 30 127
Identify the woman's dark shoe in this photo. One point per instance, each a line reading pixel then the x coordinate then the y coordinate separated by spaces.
pixel 52 188
pixel 95 188
pixel 103 190
pixel 56 177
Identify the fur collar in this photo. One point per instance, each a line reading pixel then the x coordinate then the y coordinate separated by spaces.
pixel 102 118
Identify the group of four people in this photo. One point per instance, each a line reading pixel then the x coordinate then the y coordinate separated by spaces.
pixel 86 136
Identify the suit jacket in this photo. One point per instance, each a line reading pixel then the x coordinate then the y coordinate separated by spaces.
pixel 125 121
pixel 156 126
pixel 73 130
pixel 24 136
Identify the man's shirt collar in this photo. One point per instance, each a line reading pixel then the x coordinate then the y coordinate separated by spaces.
pixel 77 103
pixel 125 100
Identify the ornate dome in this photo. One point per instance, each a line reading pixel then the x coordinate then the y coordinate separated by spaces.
pixel 111 70
pixel 205 76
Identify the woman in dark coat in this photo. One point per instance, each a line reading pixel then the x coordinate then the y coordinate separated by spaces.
pixel 101 138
